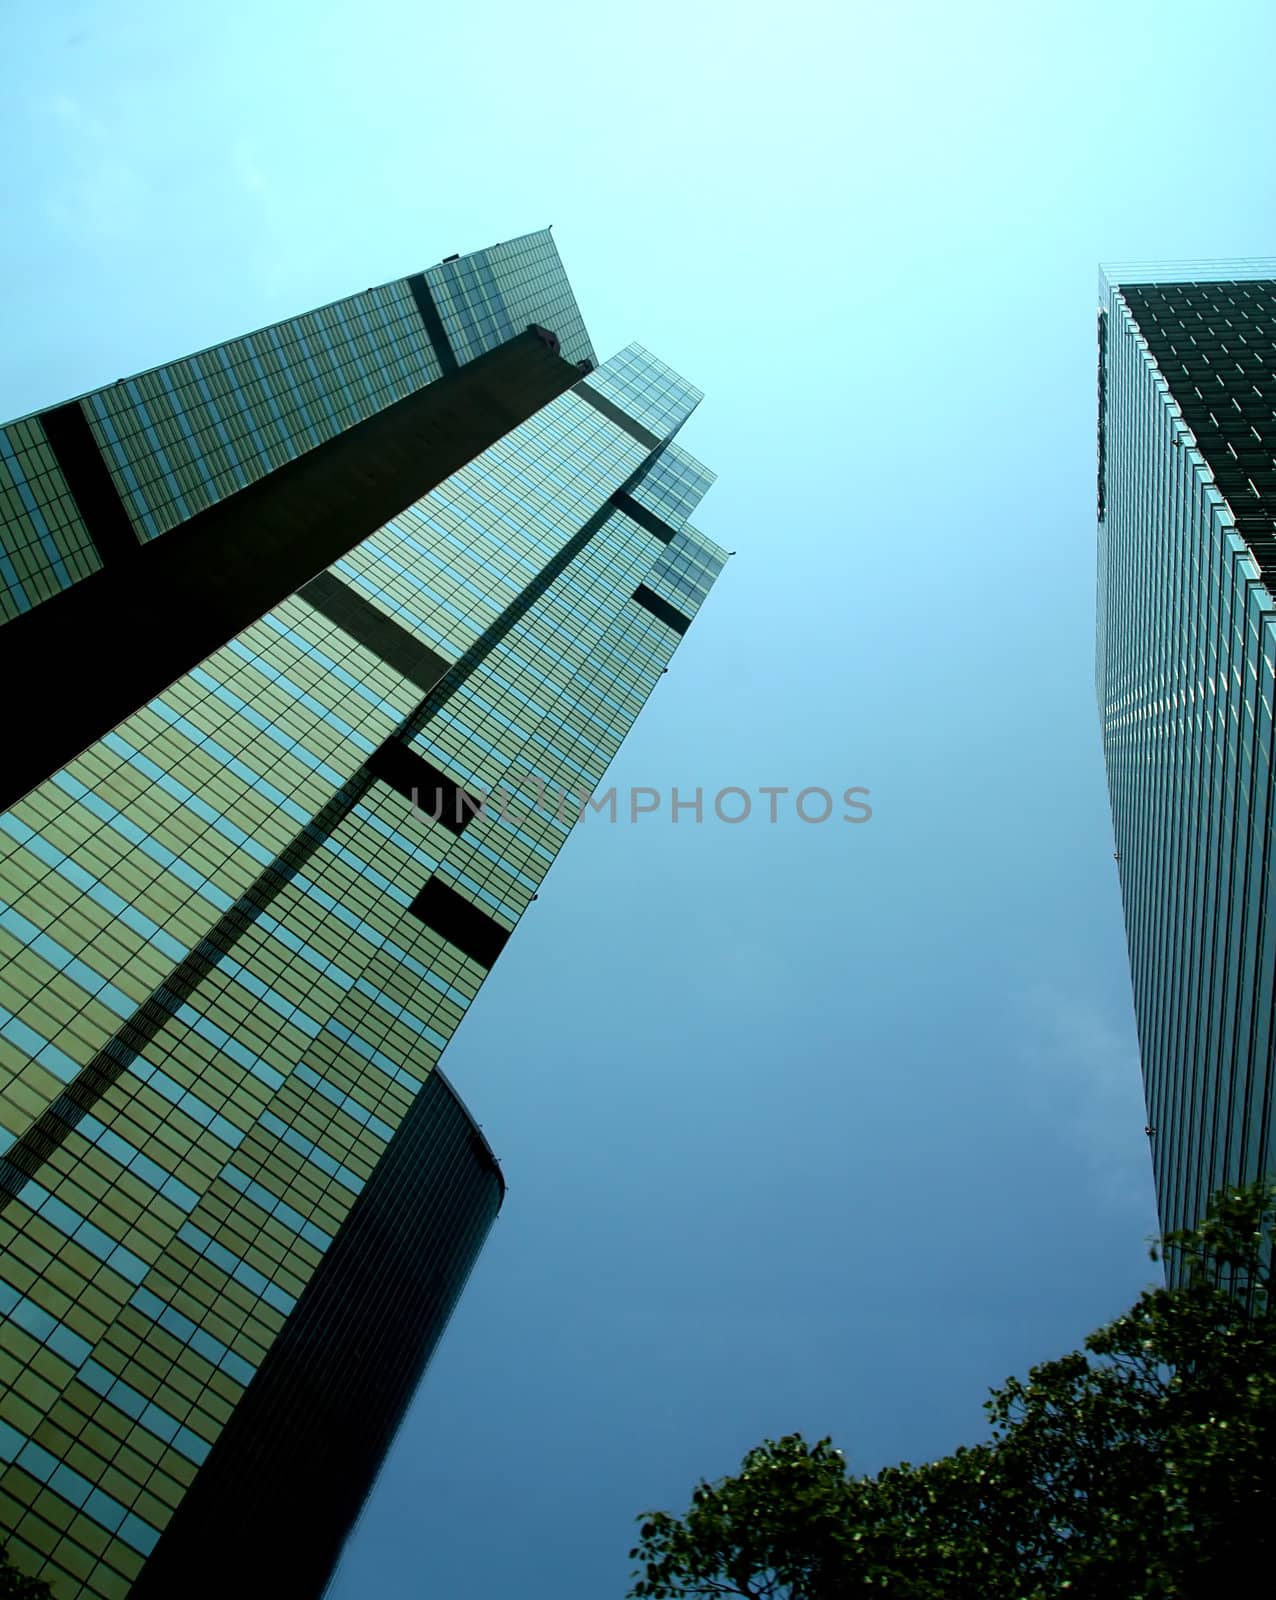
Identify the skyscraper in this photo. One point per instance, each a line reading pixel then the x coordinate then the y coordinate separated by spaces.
pixel 326 637
pixel 1186 670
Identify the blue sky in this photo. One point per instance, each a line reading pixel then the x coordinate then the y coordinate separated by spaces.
pixel 808 1127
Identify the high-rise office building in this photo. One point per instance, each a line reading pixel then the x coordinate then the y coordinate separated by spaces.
pixel 324 636
pixel 1186 671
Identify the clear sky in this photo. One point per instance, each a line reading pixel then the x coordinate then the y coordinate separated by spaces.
pixel 812 1127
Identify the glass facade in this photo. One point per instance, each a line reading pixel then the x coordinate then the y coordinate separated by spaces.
pixel 672 485
pixel 303 1446
pixel 238 931
pixel 493 294
pixel 180 438
pixel 1186 671
pixel 44 545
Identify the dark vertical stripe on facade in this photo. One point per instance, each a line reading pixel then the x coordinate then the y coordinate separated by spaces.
pixel 613 413
pixel 89 479
pixel 282 1487
pixel 434 329
pixel 669 615
pixel 24 1158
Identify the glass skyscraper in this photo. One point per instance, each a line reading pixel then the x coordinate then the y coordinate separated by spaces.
pixel 1186 670
pixel 325 638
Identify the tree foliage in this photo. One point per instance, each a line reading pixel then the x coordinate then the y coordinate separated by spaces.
pixel 1138 1469
pixel 14 1583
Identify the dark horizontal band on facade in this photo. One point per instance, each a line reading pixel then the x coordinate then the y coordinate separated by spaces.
pixel 669 615
pixel 613 413
pixel 435 332
pixel 420 781
pixel 644 518
pixel 461 923
pixel 377 632
pixel 88 478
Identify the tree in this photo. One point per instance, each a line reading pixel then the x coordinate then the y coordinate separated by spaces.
pixel 1137 1469
pixel 15 1585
